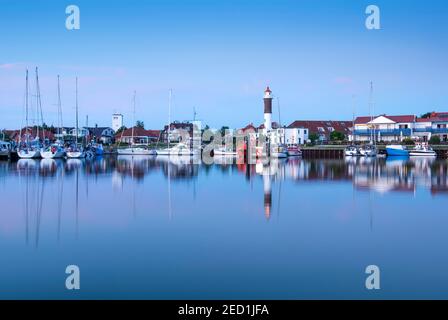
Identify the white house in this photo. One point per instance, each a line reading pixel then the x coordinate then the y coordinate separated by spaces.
pixel 384 128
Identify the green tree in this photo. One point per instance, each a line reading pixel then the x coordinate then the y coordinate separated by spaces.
pixel 313 137
pixel 140 124
pixel 337 136
pixel 426 115
pixel 121 129
pixel 434 140
pixel 408 142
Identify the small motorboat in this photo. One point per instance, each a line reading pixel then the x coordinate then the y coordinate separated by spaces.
pixel 294 151
pixel 422 150
pixel 397 150
pixel 279 152
pixel 351 151
pixel 53 152
pixel 5 148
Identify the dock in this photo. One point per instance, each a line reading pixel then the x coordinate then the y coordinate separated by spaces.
pixel 337 152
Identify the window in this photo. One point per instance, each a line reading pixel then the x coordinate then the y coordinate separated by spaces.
pixel 330 129
pixel 321 129
pixel 304 131
pixel 403 126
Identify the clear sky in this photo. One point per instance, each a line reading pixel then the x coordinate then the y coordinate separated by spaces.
pixel 218 56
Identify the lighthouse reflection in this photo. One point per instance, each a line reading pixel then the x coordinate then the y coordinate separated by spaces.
pixel 182 183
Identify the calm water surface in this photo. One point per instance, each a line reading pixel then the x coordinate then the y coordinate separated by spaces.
pixel 165 228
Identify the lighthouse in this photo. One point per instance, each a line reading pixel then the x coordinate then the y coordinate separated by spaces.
pixel 267 109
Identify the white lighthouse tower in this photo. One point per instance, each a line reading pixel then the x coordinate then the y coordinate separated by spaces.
pixel 267 110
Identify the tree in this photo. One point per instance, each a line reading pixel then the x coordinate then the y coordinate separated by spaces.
pixel 337 136
pixel 121 129
pixel 313 137
pixel 408 142
pixel 140 124
pixel 426 115
pixel 434 140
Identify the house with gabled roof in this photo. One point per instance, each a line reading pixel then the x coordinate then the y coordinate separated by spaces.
pixel 384 128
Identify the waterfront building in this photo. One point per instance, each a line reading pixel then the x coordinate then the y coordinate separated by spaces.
pixel 117 121
pixel 321 128
pixel 384 128
pixel 436 124
pixel 97 134
pixel 397 128
pixel 141 136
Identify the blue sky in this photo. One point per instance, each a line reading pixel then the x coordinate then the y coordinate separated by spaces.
pixel 218 56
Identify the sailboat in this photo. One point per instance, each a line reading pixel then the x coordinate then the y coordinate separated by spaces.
pixel 74 151
pixel 27 149
pixel 56 150
pixel 180 149
pixel 370 150
pixel 134 149
pixel 279 150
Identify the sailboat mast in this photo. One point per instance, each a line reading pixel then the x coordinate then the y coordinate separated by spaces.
pixel 76 102
pixel 371 108
pixel 39 107
pixel 59 109
pixel 353 118
pixel 26 107
pixel 169 115
pixel 133 118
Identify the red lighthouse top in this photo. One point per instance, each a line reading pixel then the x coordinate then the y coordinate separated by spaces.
pixel 268 90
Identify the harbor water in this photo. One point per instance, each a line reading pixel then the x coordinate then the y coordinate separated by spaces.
pixel 164 228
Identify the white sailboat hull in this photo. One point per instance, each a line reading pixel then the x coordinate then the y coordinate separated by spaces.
pixel 136 152
pixel 177 152
pixel 28 154
pixel 52 155
pixel 75 154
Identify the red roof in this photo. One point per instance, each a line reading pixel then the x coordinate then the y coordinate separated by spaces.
pixel 398 119
pixel 267 89
pixel 32 131
pixel 139 132
pixel 249 127
pixel 323 126
pixel 435 117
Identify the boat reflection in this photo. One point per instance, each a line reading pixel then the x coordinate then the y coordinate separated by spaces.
pixel 381 175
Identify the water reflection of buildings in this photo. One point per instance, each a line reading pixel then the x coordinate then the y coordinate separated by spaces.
pixel 377 175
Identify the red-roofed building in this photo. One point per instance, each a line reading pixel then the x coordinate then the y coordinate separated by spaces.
pixel 384 128
pixel 323 128
pixel 141 136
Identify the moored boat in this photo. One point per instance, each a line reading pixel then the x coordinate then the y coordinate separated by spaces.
pixel 351 151
pixel 137 151
pixel 54 151
pixel 293 150
pixel 279 152
pixel 422 150
pixel 368 151
pixel 397 150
